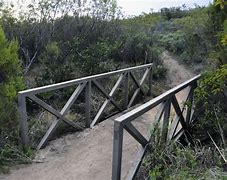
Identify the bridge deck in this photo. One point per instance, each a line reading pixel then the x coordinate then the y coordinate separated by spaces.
pixel 83 156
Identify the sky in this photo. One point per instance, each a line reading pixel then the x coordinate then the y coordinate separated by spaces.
pixel 136 7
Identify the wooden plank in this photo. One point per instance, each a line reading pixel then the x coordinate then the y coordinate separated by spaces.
pixel 136 134
pixel 23 119
pixel 190 111
pixel 56 122
pixel 88 104
pixel 150 77
pixel 139 88
pixel 73 98
pixel 102 90
pixel 81 80
pixel 154 102
pixel 144 76
pixel 136 163
pixel 179 112
pixel 137 83
pixel 181 118
pixel 117 151
pixel 165 126
pixel 175 122
pixel 133 98
pixel 106 102
pixel 126 90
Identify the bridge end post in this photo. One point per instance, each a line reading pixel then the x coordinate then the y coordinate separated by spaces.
pixel 117 150
pixel 23 119
pixel 88 104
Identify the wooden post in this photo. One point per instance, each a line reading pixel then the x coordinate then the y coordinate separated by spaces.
pixel 23 119
pixel 88 104
pixel 117 151
pixel 150 77
pixel 126 90
pixel 165 126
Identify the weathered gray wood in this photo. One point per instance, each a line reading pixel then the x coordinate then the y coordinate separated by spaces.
pixel 137 83
pixel 48 134
pixel 150 77
pixel 73 98
pixel 81 80
pixel 165 126
pixel 104 105
pixel 159 113
pixel 56 122
pixel 136 163
pixel 53 111
pixel 125 121
pixel 23 119
pixel 64 110
pixel 176 119
pixel 190 106
pixel 136 134
pixel 139 88
pixel 154 102
pixel 88 104
pixel 133 97
pixel 103 91
pixel 117 151
pixel 181 118
pixel 126 90
pixel 179 112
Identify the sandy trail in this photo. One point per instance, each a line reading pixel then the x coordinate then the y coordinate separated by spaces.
pixel 87 155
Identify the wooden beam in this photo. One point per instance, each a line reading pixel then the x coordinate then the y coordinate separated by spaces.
pixel 81 80
pixel 73 98
pixel 165 125
pixel 102 90
pixel 126 90
pixel 23 119
pixel 139 89
pixel 56 122
pixel 179 112
pixel 136 134
pixel 137 83
pixel 106 102
pixel 117 151
pixel 88 104
pixel 129 116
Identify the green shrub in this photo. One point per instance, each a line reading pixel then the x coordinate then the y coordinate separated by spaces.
pixel 10 83
pixel 211 98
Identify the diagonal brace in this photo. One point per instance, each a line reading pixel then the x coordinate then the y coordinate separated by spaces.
pixel 106 94
pixel 101 110
pixel 136 134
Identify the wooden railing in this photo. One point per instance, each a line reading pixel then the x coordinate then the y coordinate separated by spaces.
pixel 84 84
pixel 169 129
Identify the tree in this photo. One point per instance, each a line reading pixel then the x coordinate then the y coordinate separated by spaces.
pixel 10 83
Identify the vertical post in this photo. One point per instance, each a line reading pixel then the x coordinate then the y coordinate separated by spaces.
pixel 126 90
pixel 150 77
pixel 23 119
pixel 117 151
pixel 165 126
pixel 88 104
pixel 190 106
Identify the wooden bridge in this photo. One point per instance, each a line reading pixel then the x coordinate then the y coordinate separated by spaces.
pixel 172 113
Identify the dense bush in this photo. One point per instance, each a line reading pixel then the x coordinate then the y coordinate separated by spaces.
pixel 211 98
pixel 10 83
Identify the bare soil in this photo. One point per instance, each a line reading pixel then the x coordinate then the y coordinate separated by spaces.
pixel 87 155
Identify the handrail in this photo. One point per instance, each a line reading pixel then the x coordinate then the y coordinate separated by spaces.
pixel 169 130
pixel 84 84
pixel 80 80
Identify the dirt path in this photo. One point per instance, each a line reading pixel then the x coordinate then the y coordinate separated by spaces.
pixel 87 155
